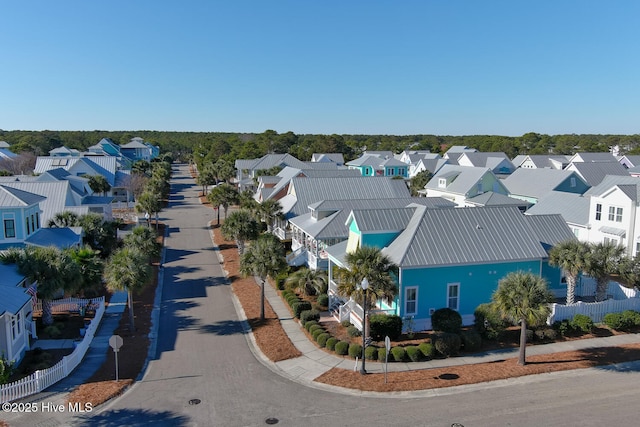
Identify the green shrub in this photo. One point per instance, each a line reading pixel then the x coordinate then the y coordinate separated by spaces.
pixel 352 331
pixel 382 325
pixel 53 331
pixel 371 352
pixel 300 307
pixel 323 300
pixel 341 348
pixel 322 339
pixel 472 341
pixel 631 319
pixel 399 354
pixel 614 321
pixel 317 332
pixel 315 328
pixel 413 353
pixel 447 344
pixel 280 278
pixel 331 343
pixel 309 324
pixel 446 320
pixel 427 350
pixel 355 350
pixel 488 321
pixel 309 315
pixel 286 294
pixel 292 299
pixel 563 327
pixel 382 354
pixel 345 323
pixel 582 323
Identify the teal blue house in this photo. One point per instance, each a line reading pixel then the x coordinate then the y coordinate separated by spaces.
pixel 448 257
pixel 376 165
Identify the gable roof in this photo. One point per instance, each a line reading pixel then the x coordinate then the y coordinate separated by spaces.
pixel 59 237
pixel 594 173
pixel 14 197
pixel 334 225
pixel 269 161
pixel 466 178
pixel 611 181
pixel 490 198
pixel 328 157
pixel 14 297
pixel 548 161
pixel 305 191
pixel 100 165
pixel 574 208
pixel 58 195
pixel 593 157
pixel 465 236
pixel 537 182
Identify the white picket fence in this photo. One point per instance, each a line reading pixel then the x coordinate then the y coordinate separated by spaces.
pixel 40 380
pixel 595 310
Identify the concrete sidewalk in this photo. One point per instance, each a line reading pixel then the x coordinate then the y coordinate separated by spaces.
pixel 314 361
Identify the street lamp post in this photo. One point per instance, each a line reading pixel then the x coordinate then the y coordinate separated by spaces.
pixel 364 285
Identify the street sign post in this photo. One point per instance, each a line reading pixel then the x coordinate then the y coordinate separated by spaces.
pixel 116 342
pixel 387 346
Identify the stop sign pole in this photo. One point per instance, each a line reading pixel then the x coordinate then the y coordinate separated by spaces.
pixel 116 342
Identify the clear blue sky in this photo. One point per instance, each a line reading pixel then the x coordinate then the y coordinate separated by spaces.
pixel 441 67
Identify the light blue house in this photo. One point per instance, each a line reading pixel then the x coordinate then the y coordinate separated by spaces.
pixel 377 165
pixel 448 257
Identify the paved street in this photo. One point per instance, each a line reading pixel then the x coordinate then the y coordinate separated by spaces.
pixel 202 353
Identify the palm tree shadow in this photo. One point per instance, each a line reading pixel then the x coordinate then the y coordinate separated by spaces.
pixel 135 418
pixel 225 327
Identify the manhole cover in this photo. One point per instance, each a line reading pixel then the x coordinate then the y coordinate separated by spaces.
pixel 272 421
pixel 456 425
pixel 194 401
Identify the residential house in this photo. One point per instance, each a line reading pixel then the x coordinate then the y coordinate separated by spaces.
pixel 138 149
pixel 455 151
pixel 303 192
pixel 593 158
pixel 16 314
pixel 461 183
pixel 336 158
pixel 324 225
pixel 498 162
pixel 574 209
pixel 431 165
pixel 248 169
pixel 448 257
pixel 594 172
pixel 375 165
pixel 541 161
pixel 630 161
pixel 532 184
pixel 418 161
pixel 64 152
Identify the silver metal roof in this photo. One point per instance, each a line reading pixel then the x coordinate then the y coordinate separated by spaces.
pixel 574 208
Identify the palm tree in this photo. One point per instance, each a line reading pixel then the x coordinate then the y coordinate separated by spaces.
pixel 601 263
pixel 307 281
pixel 369 262
pixel 571 257
pixel 523 298
pixel 90 267
pixel 268 211
pixel 223 170
pixel 223 195
pixel 127 269
pixel 143 239
pixel 264 258
pixel 101 235
pixel 99 184
pixel 206 177
pixel 64 219
pixel 50 268
pixel 240 226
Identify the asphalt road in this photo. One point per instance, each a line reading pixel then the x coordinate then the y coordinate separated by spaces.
pixel 203 354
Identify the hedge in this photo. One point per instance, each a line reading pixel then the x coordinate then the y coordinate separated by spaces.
pixel 398 354
pixel 413 353
pixel 309 315
pixel 427 350
pixel 382 325
pixel 355 350
pixel 322 339
pixel 341 348
pixel 331 343
pixel 446 320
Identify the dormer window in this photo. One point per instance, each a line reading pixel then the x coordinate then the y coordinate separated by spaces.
pixel 442 183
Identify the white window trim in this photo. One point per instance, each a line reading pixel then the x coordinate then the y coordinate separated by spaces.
pixel 407 313
pixel 449 286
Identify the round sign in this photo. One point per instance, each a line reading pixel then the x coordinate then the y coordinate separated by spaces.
pixel 115 342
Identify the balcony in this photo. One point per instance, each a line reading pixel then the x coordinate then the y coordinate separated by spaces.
pixel 317 262
pixel 282 233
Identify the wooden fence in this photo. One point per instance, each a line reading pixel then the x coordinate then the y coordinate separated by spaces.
pixel 40 380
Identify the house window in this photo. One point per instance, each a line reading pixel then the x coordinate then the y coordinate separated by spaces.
pixel 33 223
pixel 615 214
pixel 37 220
pixel 453 296
pixel 442 183
pixel 15 327
pixel 598 212
pixel 637 248
pixel 28 228
pixel 9 228
pixel 573 182
pixel 576 232
pixel 610 241
pixel 411 301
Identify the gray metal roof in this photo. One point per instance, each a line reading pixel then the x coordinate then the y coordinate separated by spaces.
pixel 610 181
pixel 593 157
pixel 334 225
pixel 439 237
pixel 383 220
pixel 549 229
pixel 13 299
pixel 14 197
pixel 59 195
pixel 467 178
pixel 574 208
pixel 496 199
pixel 536 182
pixel 594 173
pixel 310 190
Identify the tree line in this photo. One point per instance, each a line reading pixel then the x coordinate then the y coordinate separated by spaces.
pixel 208 147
